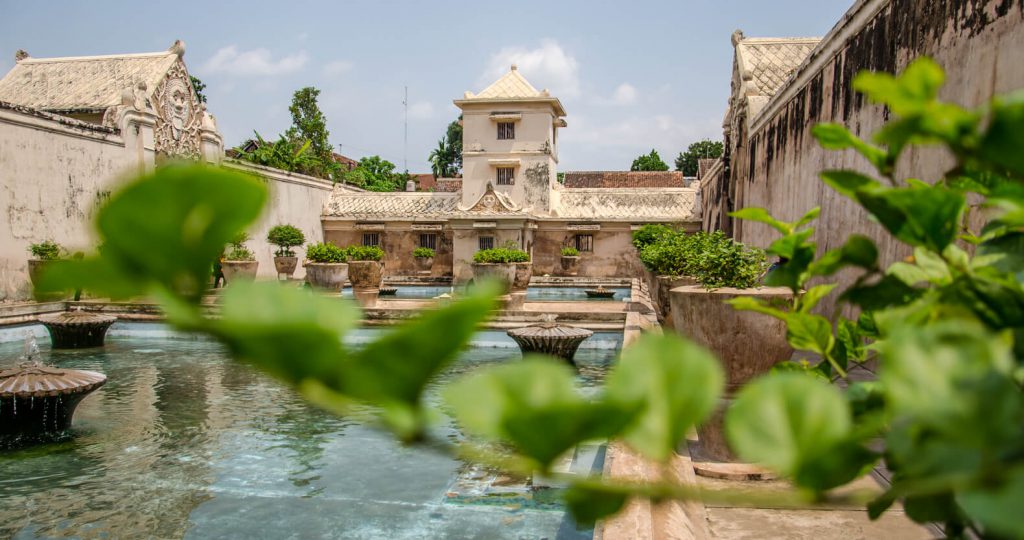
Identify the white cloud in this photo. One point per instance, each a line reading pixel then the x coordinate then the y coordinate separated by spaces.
pixel 664 132
pixel 337 67
pixel 421 110
pixel 547 66
pixel 253 62
pixel 624 94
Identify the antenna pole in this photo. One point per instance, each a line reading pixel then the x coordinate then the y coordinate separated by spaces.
pixel 405 143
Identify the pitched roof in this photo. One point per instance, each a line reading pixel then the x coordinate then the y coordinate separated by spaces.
pixel 657 204
pixel 395 205
pixel 770 61
pixel 623 179
pixel 92 83
pixel 511 85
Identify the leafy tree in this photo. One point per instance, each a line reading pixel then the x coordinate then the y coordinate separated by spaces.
pixel 376 174
pixel 309 123
pixel 446 159
pixel 649 162
pixel 198 86
pixel 687 161
pixel 285 154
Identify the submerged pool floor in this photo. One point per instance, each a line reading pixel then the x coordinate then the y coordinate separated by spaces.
pixel 183 443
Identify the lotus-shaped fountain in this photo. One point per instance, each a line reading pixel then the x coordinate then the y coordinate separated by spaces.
pixel 552 338
pixel 77 329
pixel 38 401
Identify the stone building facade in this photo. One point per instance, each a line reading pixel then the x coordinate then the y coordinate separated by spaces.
pixel 509 193
pixel 781 88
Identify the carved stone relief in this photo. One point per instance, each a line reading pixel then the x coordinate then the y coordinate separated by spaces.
pixel 179 114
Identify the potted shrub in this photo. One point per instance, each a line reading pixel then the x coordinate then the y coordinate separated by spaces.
pixel 500 264
pixel 42 254
pixel 747 343
pixel 424 259
pixel 285 237
pixel 325 266
pixel 365 272
pixel 666 254
pixel 239 262
pixel 570 261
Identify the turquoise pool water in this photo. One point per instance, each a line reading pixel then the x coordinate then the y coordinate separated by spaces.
pixel 183 443
pixel 533 294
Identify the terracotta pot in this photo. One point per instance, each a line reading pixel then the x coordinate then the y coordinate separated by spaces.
pixel 286 265
pixel 503 273
pixel 424 264
pixel 747 343
pixel 327 276
pixel 570 265
pixel 365 274
pixel 521 279
pixel 238 270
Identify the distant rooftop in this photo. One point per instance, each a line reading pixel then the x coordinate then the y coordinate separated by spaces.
pixel 623 179
pixel 512 86
pixel 769 62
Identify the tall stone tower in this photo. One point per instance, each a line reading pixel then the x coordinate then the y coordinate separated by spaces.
pixel 510 141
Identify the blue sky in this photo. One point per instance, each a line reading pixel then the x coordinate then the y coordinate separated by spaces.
pixel 631 75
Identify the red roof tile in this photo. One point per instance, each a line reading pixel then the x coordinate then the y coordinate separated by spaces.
pixel 624 179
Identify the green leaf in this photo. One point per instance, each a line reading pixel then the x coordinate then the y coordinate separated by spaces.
pixel 808 332
pixel 588 502
pixel 848 183
pixel 533 406
pixel 787 420
pixel 810 216
pixel 907 94
pixel 857 251
pixel 749 303
pixel 998 508
pixel 381 372
pixel 1004 138
pixel 887 291
pixel 761 215
pixel 919 216
pixel 837 137
pixel 673 382
pixel 814 295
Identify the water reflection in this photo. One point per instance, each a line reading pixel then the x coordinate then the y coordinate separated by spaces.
pixel 182 443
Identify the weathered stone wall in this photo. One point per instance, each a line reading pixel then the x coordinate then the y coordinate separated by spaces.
pixel 54 173
pixel 398 240
pixel 978 42
pixel 613 254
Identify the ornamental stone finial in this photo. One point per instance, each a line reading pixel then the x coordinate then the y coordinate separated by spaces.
pixel 20 55
pixel 514 67
pixel 737 36
pixel 178 48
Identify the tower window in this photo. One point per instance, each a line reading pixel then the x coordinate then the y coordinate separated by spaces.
pixel 506 131
pixel 371 239
pixel 584 242
pixel 506 176
pixel 428 240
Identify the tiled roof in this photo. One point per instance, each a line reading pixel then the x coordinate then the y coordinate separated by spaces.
pixel 407 205
pixel 658 204
pixel 623 179
pixel 511 85
pixel 771 61
pixel 82 83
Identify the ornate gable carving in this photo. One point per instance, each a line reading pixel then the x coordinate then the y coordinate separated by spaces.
pixel 180 115
pixel 492 202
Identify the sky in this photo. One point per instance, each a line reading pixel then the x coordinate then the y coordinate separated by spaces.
pixel 632 75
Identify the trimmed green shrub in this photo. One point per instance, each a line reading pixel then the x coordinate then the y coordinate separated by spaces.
pixel 285 237
pixel 364 253
pixel 714 259
pixel 501 255
pixel 238 251
pixel 322 252
pixel 569 251
pixel 423 252
pixel 47 250
pixel 650 233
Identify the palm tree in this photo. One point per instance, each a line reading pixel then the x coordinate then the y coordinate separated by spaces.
pixel 440 160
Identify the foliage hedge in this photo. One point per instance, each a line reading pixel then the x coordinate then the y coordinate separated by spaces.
pixel 322 252
pixel 47 250
pixel 713 259
pixel 570 251
pixel 501 255
pixel 364 253
pixel 423 252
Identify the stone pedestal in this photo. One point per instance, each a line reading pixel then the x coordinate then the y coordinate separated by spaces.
pixel 555 339
pixel 76 329
pixel 38 401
